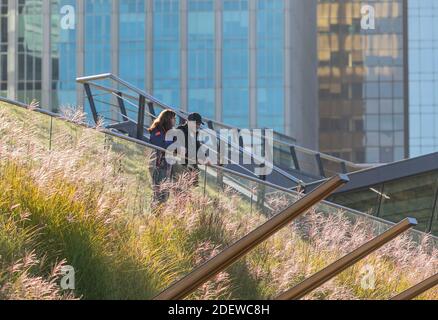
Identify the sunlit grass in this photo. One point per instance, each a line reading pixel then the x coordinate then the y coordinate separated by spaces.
pixel 76 197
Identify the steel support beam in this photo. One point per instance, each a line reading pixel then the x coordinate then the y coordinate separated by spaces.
pixel 418 289
pixel 342 264
pixel 199 276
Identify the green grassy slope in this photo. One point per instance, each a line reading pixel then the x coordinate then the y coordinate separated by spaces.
pixel 72 196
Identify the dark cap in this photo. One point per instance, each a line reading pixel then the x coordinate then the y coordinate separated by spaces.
pixel 195 117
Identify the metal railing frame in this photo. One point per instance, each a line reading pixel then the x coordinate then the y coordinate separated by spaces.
pixel 153 100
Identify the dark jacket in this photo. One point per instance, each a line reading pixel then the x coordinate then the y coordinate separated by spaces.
pixel 158 138
pixel 185 129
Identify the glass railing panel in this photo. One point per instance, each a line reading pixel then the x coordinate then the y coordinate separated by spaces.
pixel 30 123
pixel 331 168
pixel 135 163
pixel 216 216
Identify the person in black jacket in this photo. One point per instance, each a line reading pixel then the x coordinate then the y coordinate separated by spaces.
pixel 162 169
pixel 194 123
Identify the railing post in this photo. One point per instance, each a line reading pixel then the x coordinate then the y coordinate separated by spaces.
pixel 419 289
pixel 152 110
pixel 141 114
pixel 92 104
pixel 220 161
pixel 205 180
pixel 208 270
pixel 293 153
pixel 320 165
pixel 122 106
pixel 50 133
pixel 344 167
pixel 336 268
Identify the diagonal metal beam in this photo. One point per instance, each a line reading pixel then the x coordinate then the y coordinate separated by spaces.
pixel 336 268
pixel 205 272
pixel 418 289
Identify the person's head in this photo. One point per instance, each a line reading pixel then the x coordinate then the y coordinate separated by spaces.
pixel 166 120
pixel 197 118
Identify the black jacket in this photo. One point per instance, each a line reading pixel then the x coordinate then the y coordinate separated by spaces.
pixel 185 129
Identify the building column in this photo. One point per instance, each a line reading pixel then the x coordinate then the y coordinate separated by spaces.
pixel 253 64
pixel 184 98
pixel 46 76
pixel 301 73
pixel 115 21
pixel 406 86
pixel 12 49
pixel 149 32
pixel 288 125
pixel 115 43
pixel 80 49
pixel 218 59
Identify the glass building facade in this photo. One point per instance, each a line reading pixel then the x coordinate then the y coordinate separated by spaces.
pixel 226 59
pixel 201 57
pixel 361 74
pixel 415 196
pixel 30 50
pixel 63 58
pixel 167 51
pixel 423 76
pixel 270 64
pixel 235 61
pixel 132 46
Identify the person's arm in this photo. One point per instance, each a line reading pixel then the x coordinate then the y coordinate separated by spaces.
pixel 158 138
pixel 155 138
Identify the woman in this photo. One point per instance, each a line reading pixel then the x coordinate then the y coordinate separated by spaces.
pixel 162 170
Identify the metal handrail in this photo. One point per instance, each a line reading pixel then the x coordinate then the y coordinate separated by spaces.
pixel 205 272
pixel 347 261
pixel 419 289
pixel 152 99
pixel 179 113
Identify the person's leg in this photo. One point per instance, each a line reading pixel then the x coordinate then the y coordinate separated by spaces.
pixel 160 176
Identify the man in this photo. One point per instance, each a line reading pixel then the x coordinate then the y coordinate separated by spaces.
pixel 191 133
